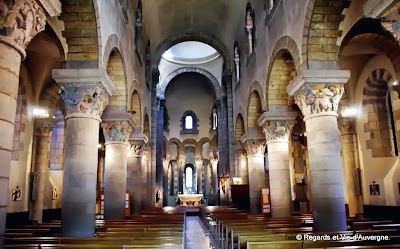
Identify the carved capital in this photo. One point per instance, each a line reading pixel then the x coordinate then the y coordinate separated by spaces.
pixel 44 127
pixel 117 131
pixel 318 92
pixel 137 148
pixel 198 161
pixel 319 98
pixel 181 161
pixel 20 21
pixel 278 131
pixel 255 147
pixel 166 160
pixel 84 100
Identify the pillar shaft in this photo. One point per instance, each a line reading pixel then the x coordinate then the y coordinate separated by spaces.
pixel 199 164
pixel 42 136
pixel 85 93
pixel 214 176
pixel 166 162
pixel 17 31
pixel 10 60
pixel 181 164
pixel 116 134
pixel 319 100
pixel 326 174
pixel 146 197
pixel 115 180
pixel 134 182
pixel 80 176
pixel 277 127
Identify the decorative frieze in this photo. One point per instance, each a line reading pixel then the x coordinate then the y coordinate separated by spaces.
pixel 20 21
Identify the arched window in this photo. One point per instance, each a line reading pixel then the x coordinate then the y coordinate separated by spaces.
pixel 250 29
pixel 189 177
pixel 189 123
pixel 214 119
pixel 236 59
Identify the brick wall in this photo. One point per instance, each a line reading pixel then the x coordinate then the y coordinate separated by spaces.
pixel 282 72
pixel 254 110
pixel 115 70
pixel 80 29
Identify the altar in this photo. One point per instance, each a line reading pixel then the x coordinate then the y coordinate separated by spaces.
pixel 190 199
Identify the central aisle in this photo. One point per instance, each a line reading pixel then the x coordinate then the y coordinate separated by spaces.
pixel 196 235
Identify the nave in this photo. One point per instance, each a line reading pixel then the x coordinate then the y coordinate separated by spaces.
pixel 215 227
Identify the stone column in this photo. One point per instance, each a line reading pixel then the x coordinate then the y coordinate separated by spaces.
pixel 255 148
pixel 116 134
pixel 277 127
pixel 350 161
pixel 214 175
pixel 317 93
pixel 181 164
pixel 85 93
pixel 206 178
pixel 199 168
pixel 136 172
pixel 22 20
pixel 166 162
pixel 43 129
pixel 242 170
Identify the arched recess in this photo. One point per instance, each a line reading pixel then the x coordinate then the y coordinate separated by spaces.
pixel 115 69
pixel 254 111
pixel 256 86
pixel 376 106
pixel 135 106
pixel 192 142
pixel 240 129
pixel 180 147
pixel 113 42
pixel 207 74
pixel 283 70
pixel 146 126
pixel 199 36
pixel 321 32
pixel 81 22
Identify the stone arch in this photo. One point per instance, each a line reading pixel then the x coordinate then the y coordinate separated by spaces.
pixel 374 101
pixel 321 33
pixel 113 42
pixel 253 110
pixel 207 74
pixel 50 99
pixel 195 143
pixel 282 70
pixel 82 30
pixel 115 69
pixel 285 43
pixel 146 125
pixel 199 36
pixel 181 150
pixel 136 106
pixel 256 86
pixel 239 128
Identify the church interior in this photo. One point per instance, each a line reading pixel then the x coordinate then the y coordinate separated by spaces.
pixel 199 124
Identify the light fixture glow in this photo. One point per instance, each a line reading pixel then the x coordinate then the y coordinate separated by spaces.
pixel 396 83
pixel 40 113
pixel 349 112
pixel 99 146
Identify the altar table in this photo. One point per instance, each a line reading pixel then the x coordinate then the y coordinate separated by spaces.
pixel 190 200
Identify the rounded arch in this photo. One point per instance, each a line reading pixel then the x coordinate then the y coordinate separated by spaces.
pixel 199 36
pixel 282 71
pixel 195 143
pixel 112 43
pixel 253 110
pixel 239 128
pixel 285 43
pixel 146 126
pixel 256 86
pixel 116 71
pixel 316 34
pixel 136 106
pixel 181 149
pixel 163 86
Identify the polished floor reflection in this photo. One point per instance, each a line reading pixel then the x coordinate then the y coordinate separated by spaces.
pixel 196 235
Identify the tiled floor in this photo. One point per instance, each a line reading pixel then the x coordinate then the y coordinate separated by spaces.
pixel 196 235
